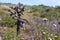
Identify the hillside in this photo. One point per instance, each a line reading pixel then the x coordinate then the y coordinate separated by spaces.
pixel 38 29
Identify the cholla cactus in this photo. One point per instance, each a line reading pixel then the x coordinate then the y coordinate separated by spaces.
pixel 16 12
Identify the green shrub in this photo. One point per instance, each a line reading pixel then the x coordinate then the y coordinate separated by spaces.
pixel 7 21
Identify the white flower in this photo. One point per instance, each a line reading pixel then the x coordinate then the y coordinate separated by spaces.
pixel 56 36
pixel 44 33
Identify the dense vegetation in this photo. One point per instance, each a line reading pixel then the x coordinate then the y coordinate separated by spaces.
pixel 34 14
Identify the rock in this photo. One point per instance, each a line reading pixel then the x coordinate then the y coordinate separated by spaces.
pixel 49 38
pixel 22 39
pixel 44 19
